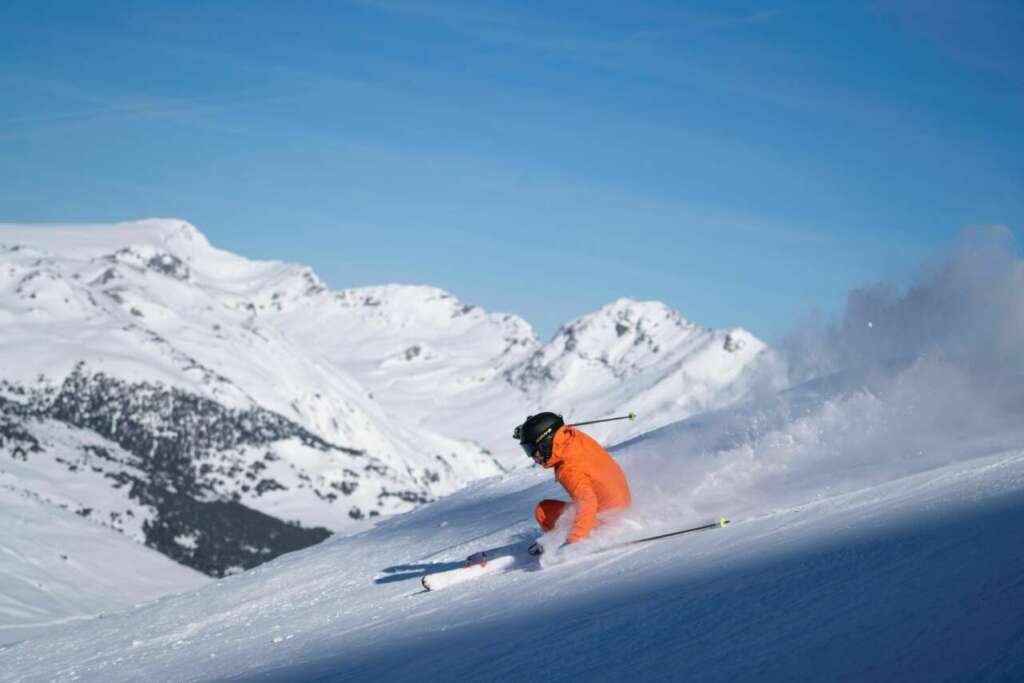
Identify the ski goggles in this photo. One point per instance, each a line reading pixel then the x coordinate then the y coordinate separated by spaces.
pixel 528 448
pixel 531 448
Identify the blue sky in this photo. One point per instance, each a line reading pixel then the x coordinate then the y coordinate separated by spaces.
pixel 743 162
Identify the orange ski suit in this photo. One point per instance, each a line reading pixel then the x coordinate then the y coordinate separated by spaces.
pixel 590 475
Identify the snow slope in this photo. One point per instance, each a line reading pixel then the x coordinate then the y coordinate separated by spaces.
pixel 57 567
pixel 872 583
pixel 875 536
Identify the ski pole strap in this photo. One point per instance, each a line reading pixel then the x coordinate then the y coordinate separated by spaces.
pixel 631 416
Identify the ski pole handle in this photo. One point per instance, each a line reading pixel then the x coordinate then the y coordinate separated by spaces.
pixel 630 416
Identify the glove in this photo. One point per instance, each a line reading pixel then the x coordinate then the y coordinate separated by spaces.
pixel 536 549
pixel 476 558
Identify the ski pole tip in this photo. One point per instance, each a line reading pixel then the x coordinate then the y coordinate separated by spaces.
pixel 723 522
pixel 632 415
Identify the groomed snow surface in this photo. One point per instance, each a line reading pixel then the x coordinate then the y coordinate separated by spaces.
pixel 876 504
pixel 916 579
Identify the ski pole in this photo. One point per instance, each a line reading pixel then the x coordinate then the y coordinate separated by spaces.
pixel 722 522
pixel 631 416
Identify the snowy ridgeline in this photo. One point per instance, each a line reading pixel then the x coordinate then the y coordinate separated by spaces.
pixel 223 411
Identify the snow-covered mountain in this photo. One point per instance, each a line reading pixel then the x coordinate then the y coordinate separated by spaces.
pixel 873 503
pixel 474 375
pixel 135 357
pixel 858 550
pixel 423 354
pixel 638 355
pixel 224 411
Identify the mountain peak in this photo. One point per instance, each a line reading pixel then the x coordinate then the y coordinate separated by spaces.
pixel 626 314
pixel 641 350
pixel 623 323
pixel 94 240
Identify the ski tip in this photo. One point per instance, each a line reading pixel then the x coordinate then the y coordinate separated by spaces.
pixel 723 522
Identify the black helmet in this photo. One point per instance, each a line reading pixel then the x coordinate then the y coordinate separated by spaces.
pixel 537 433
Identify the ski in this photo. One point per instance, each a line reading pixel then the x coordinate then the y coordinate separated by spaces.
pixel 478 564
pixel 441 580
pixel 501 559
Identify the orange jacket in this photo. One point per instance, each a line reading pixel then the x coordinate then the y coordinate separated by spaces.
pixel 590 475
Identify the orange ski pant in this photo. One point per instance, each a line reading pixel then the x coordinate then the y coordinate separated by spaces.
pixel 548 511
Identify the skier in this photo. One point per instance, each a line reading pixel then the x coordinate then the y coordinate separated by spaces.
pixel 590 475
pixel 587 472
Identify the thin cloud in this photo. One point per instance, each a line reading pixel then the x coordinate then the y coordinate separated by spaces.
pixel 123 106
